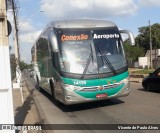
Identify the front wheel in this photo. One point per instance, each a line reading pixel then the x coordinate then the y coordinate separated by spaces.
pixel 147 88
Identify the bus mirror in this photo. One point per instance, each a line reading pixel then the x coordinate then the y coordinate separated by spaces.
pixel 54 42
pixel 130 35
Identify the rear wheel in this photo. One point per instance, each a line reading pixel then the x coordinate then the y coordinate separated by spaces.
pixel 52 89
pixel 38 87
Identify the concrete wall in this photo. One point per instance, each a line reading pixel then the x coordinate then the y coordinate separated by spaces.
pixel 143 62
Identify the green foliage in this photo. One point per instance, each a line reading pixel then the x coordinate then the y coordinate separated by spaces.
pixel 13 66
pixel 132 52
pixel 22 65
pixel 142 71
pixel 29 66
pixel 143 41
pixel 143 38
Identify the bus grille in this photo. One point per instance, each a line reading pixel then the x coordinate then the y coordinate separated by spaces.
pixel 96 88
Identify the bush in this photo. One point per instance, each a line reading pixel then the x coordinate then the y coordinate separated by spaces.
pixel 143 71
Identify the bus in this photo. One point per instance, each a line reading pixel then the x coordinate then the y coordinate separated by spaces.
pixel 81 60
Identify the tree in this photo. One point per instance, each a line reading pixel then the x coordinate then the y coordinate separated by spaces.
pixel 143 38
pixel 13 65
pixel 29 66
pixel 132 52
pixel 23 65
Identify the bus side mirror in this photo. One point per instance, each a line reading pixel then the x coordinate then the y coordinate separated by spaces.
pixel 54 42
pixel 130 35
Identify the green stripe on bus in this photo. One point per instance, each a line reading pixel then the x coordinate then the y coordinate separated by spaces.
pixel 109 92
pixel 95 82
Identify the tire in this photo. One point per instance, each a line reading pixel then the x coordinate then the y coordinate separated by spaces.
pixel 53 93
pixel 52 89
pixel 147 88
pixel 38 87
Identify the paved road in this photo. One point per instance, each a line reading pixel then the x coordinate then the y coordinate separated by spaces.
pixel 140 107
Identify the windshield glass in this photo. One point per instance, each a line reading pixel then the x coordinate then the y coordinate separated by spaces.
pixel 90 51
pixel 109 50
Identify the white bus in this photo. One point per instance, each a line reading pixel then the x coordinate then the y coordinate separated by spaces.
pixel 81 60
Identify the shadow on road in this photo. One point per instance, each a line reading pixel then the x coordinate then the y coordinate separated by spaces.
pixel 82 106
pixel 141 89
pixel 152 91
pixel 90 105
pixel 22 111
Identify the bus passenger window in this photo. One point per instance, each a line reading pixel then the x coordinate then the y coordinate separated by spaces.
pixel 42 48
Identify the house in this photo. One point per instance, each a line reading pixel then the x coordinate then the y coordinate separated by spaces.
pixel 144 62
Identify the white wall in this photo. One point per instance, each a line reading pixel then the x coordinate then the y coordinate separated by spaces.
pixel 6 101
pixel 143 61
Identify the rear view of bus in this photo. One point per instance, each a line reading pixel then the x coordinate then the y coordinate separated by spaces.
pixel 88 61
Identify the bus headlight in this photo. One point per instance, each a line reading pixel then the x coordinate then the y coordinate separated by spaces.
pixel 71 87
pixel 124 81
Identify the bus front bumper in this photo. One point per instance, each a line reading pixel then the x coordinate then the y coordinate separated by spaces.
pixel 71 97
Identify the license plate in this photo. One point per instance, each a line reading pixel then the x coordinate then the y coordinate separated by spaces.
pixel 101 95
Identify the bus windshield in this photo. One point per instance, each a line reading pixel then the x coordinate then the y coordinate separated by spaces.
pixel 90 51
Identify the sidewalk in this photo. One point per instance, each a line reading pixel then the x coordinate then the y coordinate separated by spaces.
pixel 137 80
pixel 24 107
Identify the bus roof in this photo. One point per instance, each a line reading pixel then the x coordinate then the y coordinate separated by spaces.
pixel 78 23
pixel 81 23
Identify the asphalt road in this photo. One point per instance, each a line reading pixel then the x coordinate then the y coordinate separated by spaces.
pixel 140 107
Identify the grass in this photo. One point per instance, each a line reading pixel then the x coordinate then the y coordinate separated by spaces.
pixel 140 71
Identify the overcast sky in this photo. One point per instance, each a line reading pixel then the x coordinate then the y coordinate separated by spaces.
pixel 127 14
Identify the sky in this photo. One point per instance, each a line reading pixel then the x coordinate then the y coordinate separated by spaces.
pixel 34 15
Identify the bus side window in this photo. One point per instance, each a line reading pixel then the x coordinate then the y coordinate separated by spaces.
pixel 56 60
pixel 42 48
pixel 54 55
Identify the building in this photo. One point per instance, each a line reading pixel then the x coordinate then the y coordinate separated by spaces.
pixel 144 62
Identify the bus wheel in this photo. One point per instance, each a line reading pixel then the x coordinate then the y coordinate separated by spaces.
pixel 52 89
pixel 53 93
pixel 38 87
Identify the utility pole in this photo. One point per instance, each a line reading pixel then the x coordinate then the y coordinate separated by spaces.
pixel 150 44
pixel 6 101
pixel 16 44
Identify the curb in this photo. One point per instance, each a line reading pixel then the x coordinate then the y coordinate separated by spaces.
pixel 136 80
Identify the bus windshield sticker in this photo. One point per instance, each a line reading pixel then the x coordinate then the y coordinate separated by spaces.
pixel 74 37
pixel 105 36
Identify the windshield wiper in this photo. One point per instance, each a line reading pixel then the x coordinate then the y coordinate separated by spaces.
pixel 106 61
pixel 87 64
